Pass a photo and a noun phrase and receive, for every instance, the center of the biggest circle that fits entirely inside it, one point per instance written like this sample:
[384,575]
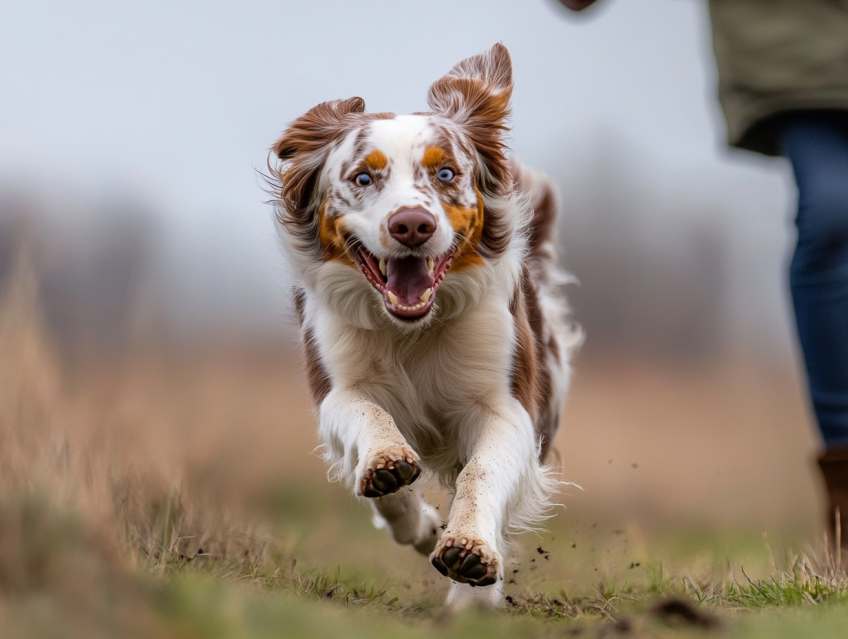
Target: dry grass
[175,496]
[91,493]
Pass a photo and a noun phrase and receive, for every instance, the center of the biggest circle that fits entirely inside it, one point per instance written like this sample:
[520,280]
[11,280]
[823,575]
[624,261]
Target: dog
[434,335]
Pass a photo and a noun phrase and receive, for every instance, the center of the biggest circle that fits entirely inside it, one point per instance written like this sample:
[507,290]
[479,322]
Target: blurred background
[135,237]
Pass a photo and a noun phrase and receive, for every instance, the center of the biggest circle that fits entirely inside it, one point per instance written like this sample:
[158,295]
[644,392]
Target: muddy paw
[388,472]
[468,561]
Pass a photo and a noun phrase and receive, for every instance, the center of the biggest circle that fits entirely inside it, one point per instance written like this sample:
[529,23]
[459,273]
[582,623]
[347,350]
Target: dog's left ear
[475,94]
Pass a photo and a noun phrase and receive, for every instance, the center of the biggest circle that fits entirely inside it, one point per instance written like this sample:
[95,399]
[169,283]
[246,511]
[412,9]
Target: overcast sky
[181,98]
[177,101]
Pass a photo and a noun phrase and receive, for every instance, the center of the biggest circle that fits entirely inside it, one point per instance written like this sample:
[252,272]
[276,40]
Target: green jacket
[776,56]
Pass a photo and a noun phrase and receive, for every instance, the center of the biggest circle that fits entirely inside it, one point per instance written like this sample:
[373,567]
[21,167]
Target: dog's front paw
[466,560]
[388,471]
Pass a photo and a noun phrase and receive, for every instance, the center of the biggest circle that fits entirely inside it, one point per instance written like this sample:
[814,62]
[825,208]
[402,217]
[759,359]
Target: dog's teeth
[392,298]
[383,267]
[430,266]
[426,295]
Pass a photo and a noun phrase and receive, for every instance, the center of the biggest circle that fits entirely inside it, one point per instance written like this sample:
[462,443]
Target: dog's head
[400,200]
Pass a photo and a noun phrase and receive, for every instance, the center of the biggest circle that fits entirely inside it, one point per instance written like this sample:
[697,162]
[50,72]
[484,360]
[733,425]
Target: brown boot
[834,467]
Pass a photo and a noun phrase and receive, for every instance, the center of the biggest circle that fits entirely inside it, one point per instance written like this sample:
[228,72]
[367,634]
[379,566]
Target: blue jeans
[817,145]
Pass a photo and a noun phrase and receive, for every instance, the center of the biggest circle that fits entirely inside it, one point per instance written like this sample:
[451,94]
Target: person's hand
[576,5]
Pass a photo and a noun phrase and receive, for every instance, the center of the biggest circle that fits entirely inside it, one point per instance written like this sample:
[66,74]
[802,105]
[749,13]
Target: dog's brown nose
[412,227]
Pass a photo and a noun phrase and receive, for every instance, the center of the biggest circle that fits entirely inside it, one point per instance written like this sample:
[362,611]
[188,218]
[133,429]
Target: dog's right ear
[305,146]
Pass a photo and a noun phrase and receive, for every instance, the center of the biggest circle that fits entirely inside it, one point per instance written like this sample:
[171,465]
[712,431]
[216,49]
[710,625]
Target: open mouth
[408,284]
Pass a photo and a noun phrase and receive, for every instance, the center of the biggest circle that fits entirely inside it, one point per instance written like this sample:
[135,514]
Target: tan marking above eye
[376,160]
[433,157]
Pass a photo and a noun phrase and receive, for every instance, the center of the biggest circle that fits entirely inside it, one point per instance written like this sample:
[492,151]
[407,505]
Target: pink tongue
[408,279]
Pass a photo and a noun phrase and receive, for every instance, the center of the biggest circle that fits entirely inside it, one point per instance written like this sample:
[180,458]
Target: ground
[174,493]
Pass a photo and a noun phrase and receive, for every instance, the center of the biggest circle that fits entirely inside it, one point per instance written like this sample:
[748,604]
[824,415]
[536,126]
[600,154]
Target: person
[783,88]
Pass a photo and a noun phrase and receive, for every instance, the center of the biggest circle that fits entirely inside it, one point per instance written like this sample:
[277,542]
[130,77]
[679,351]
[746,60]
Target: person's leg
[817,146]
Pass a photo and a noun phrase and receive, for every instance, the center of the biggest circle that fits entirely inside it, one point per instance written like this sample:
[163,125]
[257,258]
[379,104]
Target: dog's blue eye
[446,175]
[363,179]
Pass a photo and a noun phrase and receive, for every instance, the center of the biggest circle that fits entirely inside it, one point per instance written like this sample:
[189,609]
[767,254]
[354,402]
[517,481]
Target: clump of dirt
[682,612]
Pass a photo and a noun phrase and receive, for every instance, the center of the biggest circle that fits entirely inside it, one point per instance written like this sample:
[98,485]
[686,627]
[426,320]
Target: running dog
[434,335]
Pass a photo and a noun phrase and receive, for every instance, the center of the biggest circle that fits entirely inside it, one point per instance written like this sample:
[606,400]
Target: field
[174,493]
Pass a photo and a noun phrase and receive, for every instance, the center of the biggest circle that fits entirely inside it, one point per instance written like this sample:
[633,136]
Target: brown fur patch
[531,376]
[299,304]
[497,233]
[544,219]
[316,375]
[525,365]
[376,160]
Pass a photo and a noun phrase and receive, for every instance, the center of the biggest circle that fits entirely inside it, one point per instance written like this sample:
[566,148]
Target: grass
[133,505]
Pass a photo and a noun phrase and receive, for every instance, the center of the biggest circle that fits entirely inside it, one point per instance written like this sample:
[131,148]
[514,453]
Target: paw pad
[465,564]
[389,476]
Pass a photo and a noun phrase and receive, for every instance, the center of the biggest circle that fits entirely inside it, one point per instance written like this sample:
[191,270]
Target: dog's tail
[542,196]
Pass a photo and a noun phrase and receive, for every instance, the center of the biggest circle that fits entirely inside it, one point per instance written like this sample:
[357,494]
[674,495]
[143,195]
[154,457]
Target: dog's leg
[464,595]
[409,519]
[364,445]
[502,486]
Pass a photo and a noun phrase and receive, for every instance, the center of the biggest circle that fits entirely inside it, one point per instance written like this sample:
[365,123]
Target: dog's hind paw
[468,561]
[388,471]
